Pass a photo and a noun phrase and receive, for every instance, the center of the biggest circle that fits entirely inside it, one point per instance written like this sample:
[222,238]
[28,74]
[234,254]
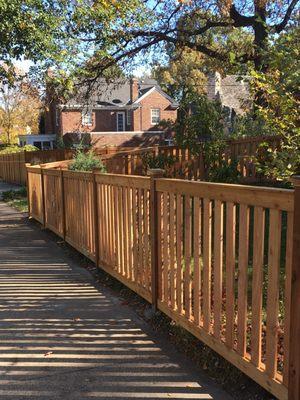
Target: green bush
[224,172]
[86,162]
[157,161]
[17,149]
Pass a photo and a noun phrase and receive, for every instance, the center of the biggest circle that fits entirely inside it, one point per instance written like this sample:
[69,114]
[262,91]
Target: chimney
[134,89]
[214,86]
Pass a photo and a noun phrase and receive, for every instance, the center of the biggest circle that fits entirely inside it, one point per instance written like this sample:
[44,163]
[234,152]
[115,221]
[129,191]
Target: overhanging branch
[284,22]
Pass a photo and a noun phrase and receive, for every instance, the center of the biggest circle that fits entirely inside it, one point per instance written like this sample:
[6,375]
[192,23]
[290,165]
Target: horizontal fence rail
[216,258]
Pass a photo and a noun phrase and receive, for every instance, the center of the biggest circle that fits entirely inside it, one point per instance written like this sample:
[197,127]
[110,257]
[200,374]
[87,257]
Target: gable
[156,93]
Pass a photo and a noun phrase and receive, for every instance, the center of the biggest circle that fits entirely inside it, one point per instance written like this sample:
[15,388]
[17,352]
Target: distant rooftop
[231,90]
[116,94]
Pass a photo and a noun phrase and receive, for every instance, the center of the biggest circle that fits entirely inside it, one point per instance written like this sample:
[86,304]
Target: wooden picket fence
[185,165]
[190,166]
[13,166]
[248,146]
[130,161]
[215,258]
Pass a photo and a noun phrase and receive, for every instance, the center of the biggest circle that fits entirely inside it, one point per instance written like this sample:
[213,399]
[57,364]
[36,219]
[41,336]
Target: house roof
[115,94]
[232,91]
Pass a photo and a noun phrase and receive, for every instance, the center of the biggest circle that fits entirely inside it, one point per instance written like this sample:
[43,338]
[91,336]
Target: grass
[16,199]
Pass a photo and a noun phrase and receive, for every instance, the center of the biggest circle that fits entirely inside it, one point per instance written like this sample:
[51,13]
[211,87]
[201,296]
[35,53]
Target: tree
[201,130]
[33,30]
[87,38]
[280,89]
[184,73]
[186,70]
[19,110]
[190,24]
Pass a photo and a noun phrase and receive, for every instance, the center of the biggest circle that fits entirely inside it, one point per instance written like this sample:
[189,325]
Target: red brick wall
[103,121]
[126,139]
[136,120]
[142,117]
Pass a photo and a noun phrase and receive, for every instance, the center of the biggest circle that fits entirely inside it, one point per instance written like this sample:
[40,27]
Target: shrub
[18,149]
[157,161]
[86,162]
[225,173]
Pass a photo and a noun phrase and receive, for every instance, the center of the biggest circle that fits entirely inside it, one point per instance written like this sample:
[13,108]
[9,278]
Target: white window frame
[87,118]
[152,116]
[123,114]
[128,117]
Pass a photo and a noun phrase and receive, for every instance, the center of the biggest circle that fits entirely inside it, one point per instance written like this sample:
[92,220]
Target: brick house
[120,113]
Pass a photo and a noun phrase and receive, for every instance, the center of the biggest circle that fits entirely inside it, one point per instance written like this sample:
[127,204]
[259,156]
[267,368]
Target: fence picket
[172,249]
[273,292]
[179,298]
[242,279]
[218,266]
[207,264]
[287,295]
[197,267]
[230,273]
[258,263]
[165,276]
[187,258]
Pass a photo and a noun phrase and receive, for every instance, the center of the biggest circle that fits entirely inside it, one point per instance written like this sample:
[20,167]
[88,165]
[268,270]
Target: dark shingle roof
[234,93]
[110,94]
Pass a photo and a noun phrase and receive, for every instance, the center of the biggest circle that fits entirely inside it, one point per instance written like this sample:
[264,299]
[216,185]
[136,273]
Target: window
[87,118]
[38,145]
[169,142]
[46,145]
[120,121]
[128,115]
[155,116]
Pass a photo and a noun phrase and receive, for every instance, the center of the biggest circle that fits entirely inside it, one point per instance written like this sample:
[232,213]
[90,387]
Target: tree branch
[284,22]
[240,20]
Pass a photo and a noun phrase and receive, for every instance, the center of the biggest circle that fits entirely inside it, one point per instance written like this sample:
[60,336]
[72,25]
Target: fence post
[294,348]
[43,197]
[28,188]
[154,174]
[96,220]
[63,203]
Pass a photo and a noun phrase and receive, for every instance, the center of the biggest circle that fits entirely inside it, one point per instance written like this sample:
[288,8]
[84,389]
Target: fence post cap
[155,172]
[295,179]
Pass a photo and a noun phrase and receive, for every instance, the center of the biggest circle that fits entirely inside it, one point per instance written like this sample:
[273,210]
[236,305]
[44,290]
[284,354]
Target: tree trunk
[260,47]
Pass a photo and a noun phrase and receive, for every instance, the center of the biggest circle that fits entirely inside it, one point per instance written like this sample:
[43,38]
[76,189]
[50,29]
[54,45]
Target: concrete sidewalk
[63,337]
